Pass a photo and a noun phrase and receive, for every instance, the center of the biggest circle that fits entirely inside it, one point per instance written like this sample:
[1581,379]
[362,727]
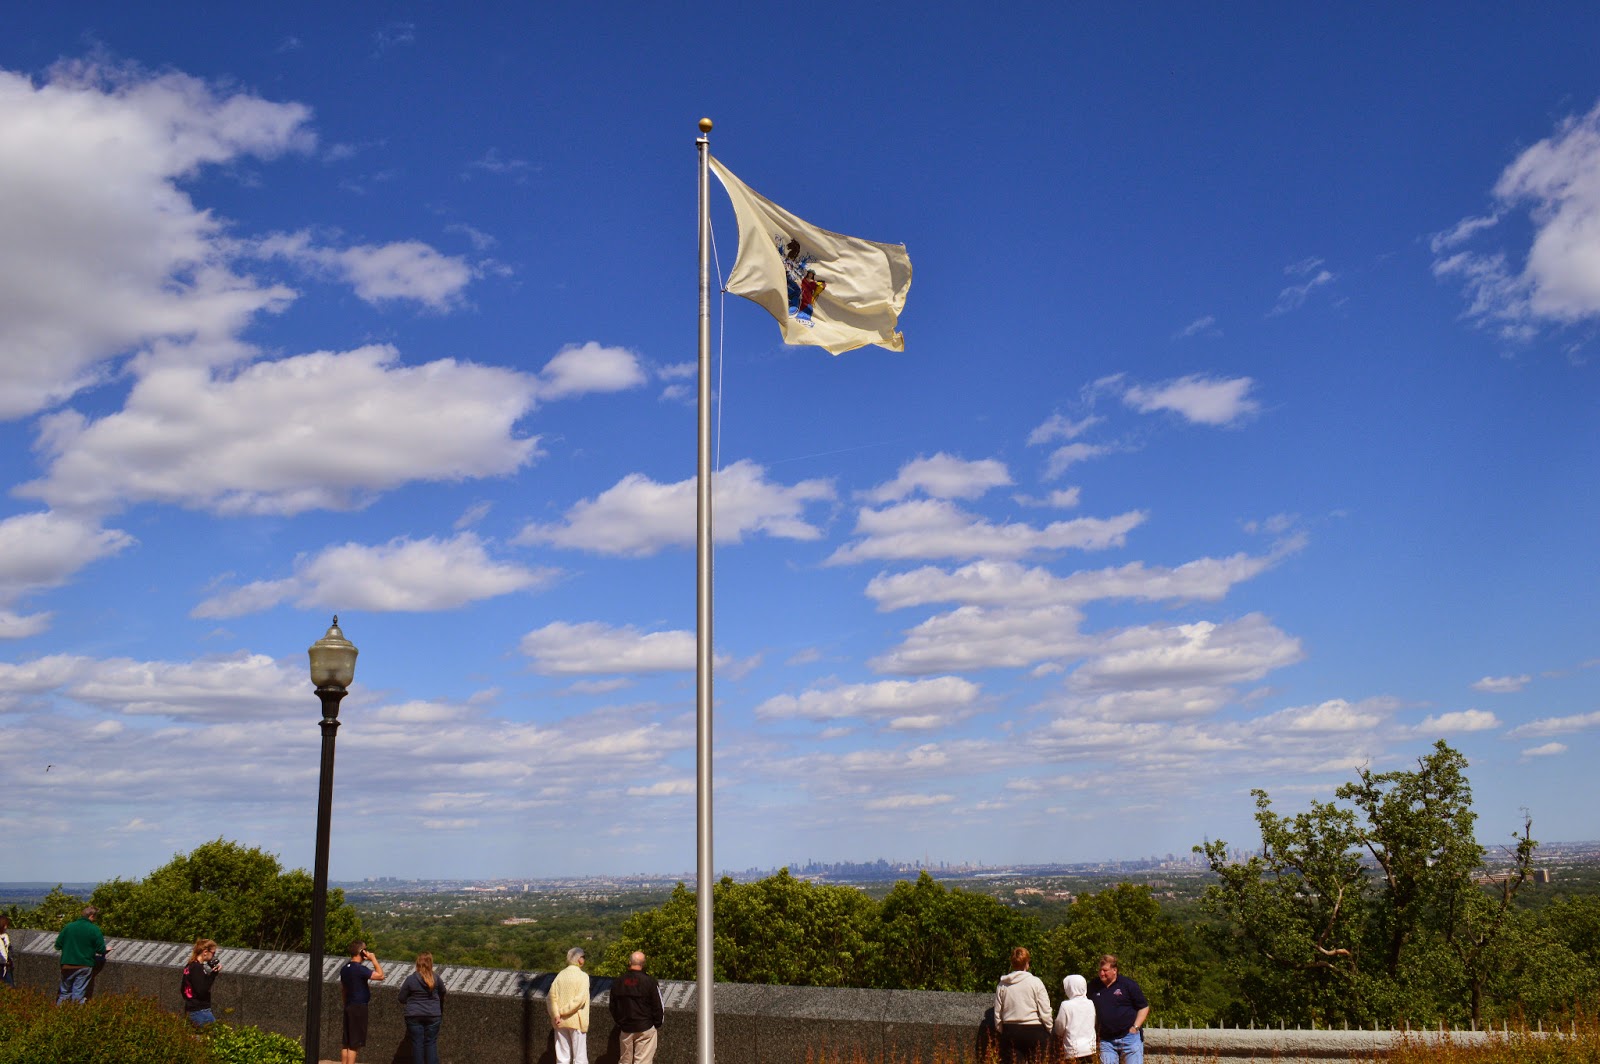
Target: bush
[251,1045]
[109,1029]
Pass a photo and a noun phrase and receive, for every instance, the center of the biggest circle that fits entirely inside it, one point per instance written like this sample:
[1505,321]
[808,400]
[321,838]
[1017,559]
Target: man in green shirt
[81,944]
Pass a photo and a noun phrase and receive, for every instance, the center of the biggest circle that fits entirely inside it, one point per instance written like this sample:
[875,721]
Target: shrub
[109,1029]
[251,1045]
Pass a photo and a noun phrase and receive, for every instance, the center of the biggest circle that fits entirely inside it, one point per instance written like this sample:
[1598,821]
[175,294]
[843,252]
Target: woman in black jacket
[422,997]
[198,975]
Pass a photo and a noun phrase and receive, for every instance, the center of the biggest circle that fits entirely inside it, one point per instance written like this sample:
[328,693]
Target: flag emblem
[827,290]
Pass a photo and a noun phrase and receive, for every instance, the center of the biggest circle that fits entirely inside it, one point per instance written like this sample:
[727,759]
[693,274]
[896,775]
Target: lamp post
[333,667]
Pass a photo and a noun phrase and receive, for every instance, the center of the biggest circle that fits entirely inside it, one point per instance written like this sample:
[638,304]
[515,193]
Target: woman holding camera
[198,975]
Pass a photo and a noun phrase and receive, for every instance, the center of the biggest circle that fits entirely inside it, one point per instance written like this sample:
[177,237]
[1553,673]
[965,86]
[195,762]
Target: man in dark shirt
[354,978]
[1120,1009]
[637,1010]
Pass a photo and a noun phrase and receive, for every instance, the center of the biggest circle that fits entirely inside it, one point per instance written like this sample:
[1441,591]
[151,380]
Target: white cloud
[1332,717]
[1502,685]
[1060,499]
[1557,725]
[104,252]
[1294,296]
[975,638]
[45,549]
[999,583]
[1547,750]
[405,269]
[935,528]
[1204,652]
[1199,399]
[561,648]
[580,370]
[943,476]
[907,801]
[673,788]
[1462,720]
[240,686]
[1557,181]
[638,516]
[400,575]
[1064,458]
[904,705]
[1057,427]
[1206,326]
[321,430]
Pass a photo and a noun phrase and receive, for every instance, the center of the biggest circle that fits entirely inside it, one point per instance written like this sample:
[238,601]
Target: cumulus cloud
[1557,725]
[1199,399]
[1463,720]
[943,476]
[104,252]
[44,550]
[562,648]
[1547,750]
[903,705]
[1333,717]
[1502,685]
[1205,652]
[401,575]
[1001,583]
[238,686]
[325,430]
[936,528]
[405,269]
[976,638]
[583,369]
[638,517]
[1557,183]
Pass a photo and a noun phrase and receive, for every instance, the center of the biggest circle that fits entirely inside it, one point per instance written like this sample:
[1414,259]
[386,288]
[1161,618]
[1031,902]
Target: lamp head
[333,659]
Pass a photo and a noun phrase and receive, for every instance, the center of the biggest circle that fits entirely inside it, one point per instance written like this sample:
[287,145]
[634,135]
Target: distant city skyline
[1246,431]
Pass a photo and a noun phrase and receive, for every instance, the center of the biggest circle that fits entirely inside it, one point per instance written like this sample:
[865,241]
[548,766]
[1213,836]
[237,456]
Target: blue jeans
[424,1032]
[1129,1049]
[201,1017]
[74,981]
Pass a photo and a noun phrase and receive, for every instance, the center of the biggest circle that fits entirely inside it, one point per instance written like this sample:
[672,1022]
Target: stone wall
[498,1017]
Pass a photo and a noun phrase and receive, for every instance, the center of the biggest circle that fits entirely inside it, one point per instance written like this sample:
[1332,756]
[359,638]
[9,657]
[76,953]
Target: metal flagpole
[706,1043]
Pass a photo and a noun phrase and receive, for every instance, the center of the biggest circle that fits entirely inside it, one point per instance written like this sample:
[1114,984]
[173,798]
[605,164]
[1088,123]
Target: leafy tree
[54,911]
[778,930]
[1150,947]
[235,894]
[1318,933]
[933,938]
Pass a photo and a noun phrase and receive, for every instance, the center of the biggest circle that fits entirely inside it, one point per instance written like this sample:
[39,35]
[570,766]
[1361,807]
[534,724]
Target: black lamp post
[333,667]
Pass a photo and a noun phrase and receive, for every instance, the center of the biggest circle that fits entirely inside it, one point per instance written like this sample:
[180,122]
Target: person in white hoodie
[1021,1012]
[1075,1020]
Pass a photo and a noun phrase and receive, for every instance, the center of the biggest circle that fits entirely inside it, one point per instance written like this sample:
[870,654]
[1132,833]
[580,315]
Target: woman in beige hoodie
[1021,1012]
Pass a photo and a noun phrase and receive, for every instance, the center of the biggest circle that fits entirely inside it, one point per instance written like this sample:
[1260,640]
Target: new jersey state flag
[836,292]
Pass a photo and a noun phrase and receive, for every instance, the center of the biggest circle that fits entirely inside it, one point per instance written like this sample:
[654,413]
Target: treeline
[922,936]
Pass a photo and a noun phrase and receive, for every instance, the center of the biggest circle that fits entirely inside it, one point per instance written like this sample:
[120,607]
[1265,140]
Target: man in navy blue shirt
[354,978]
[1120,1010]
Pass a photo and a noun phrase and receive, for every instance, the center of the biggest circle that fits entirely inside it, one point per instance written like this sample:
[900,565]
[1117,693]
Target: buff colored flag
[832,291]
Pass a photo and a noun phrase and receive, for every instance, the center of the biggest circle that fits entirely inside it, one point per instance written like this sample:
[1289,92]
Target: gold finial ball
[705,125]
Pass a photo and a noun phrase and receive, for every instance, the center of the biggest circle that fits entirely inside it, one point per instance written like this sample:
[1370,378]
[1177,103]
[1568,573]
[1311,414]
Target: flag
[836,292]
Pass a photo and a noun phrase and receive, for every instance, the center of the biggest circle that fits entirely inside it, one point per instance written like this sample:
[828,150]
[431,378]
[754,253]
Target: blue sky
[1245,432]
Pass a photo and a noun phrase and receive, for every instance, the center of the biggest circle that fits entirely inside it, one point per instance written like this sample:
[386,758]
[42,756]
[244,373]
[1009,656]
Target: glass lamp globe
[333,659]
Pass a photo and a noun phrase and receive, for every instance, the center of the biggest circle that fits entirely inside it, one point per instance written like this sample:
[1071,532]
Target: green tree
[54,911]
[1150,946]
[1316,933]
[933,938]
[778,930]
[223,890]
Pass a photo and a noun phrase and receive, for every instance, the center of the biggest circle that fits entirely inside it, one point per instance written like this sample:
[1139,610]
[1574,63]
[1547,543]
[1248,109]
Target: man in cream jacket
[568,1002]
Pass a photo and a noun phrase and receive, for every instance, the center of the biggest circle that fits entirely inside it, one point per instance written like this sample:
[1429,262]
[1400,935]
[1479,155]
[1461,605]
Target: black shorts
[355,1026]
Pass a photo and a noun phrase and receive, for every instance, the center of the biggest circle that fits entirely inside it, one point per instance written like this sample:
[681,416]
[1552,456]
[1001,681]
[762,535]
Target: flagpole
[704,870]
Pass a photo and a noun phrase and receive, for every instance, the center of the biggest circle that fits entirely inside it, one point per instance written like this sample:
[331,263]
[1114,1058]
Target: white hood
[1075,986]
[1013,978]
